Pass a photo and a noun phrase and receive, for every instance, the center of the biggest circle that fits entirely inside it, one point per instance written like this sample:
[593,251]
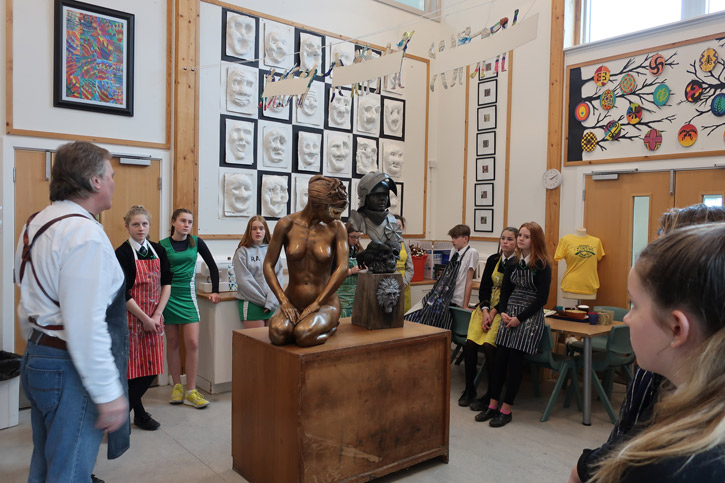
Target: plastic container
[419,268]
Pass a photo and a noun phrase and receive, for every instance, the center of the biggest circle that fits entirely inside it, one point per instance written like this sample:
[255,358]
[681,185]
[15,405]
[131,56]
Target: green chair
[599,342]
[618,354]
[564,365]
[459,330]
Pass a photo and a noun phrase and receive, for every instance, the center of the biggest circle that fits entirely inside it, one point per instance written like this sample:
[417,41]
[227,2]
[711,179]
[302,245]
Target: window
[421,7]
[603,19]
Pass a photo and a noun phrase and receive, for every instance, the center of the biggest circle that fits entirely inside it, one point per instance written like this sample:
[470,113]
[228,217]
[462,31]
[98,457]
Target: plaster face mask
[275,143]
[241,88]
[310,53]
[337,152]
[394,204]
[393,161]
[310,104]
[239,140]
[240,35]
[274,196]
[308,149]
[340,110]
[368,114]
[345,52]
[366,156]
[302,195]
[394,116]
[237,193]
[275,47]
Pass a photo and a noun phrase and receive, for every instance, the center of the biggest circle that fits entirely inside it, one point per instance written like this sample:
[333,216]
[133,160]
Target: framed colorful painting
[93,61]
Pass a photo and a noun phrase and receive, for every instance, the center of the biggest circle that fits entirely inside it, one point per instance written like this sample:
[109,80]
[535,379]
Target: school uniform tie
[143,250]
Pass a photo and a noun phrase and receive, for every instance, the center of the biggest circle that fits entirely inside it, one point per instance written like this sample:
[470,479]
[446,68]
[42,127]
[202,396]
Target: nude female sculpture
[315,241]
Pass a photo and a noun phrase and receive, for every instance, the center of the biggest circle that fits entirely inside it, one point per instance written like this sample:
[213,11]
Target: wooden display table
[362,405]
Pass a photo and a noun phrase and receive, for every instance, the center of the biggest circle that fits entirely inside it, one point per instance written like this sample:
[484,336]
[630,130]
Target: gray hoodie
[251,284]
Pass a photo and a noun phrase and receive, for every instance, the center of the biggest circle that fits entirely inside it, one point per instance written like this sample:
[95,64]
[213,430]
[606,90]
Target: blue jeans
[63,416]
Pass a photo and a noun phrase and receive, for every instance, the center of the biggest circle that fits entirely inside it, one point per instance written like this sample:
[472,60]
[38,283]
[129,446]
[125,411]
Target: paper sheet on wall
[478,50]
[292,86]
[368,70]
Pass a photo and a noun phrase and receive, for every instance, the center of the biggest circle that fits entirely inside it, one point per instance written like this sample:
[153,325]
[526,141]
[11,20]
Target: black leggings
[508,367]
[470,359]
[136,389]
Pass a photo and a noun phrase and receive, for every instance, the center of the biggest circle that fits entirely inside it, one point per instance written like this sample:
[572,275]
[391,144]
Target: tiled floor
[195,445]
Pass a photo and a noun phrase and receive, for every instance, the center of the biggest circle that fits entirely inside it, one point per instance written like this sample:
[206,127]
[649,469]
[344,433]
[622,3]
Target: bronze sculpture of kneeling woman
[315,241]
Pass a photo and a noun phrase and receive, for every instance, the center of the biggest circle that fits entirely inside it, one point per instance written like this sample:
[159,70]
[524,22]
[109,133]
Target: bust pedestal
[367,311]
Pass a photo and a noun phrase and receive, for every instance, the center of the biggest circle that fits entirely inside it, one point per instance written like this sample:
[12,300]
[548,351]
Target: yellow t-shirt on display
[581,254]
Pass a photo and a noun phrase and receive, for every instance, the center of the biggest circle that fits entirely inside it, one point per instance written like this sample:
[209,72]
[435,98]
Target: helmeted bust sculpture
[373,217]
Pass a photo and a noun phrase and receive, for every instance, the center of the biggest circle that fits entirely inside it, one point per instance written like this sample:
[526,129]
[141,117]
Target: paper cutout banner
[370,69]
[502,41]
[291,86]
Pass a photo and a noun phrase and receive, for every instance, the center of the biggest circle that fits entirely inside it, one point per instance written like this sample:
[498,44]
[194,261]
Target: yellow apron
[475,333]
[400,268]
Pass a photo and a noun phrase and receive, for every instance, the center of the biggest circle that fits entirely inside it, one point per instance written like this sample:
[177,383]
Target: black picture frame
[400,188]
[328,96]
[481,122]
[384,100]
[320,68]
[483,194]
[483,220]
[486,143]
[355,139]
[223,142]
[486,169]
[109,66]
[296,130]
[235,59]
[487,91]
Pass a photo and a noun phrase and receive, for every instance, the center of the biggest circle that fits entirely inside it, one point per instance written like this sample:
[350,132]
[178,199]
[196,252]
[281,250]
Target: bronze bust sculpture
[315,242]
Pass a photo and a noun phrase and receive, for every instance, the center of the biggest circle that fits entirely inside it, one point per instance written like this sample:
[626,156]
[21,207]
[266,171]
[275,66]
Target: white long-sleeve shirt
[77,267]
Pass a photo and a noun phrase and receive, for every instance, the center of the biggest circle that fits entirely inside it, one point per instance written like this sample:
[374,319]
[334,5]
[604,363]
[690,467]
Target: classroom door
[134,184]
[700,186]
[624,213]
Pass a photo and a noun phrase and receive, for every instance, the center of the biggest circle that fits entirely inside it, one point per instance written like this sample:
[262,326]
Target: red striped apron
[145,349]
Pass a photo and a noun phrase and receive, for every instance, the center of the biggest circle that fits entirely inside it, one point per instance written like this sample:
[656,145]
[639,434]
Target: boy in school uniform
[468,256]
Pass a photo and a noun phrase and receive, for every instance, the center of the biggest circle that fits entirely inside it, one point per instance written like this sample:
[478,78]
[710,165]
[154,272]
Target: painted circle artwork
[708,59]
[653,140]
[661,95]
[601,75]
[582,112]
[657,64]
[717,106]
[607,100]
[693,91]
[687,135]
[613,131]
[634,113]
[627,84]
[589,142]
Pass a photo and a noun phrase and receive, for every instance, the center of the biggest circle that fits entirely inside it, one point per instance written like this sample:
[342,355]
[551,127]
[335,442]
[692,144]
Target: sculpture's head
[327,196]
[388,294]
[374,191]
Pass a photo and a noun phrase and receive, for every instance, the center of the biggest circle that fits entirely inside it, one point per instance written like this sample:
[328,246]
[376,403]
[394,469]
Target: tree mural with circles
[652,104]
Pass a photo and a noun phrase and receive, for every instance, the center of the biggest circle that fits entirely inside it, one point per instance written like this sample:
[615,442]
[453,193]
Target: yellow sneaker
[194,398]
[177,394]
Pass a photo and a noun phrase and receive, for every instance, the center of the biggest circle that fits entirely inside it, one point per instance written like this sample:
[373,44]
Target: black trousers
[137,387]
[509,363]
[470,359]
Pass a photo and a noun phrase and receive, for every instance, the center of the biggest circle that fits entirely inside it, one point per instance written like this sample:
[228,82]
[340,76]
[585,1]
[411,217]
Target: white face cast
[302,195]
[394,204]
[308,149]
[366,156]
[238,191]
[276,47]
[340,111]
[274,196]
[240,139]
[394,117]
[393,160]
[310,104]
[338,151]
[240,35]
[275,145]
[345,51]
[368,113]
[241,88]
[310,52]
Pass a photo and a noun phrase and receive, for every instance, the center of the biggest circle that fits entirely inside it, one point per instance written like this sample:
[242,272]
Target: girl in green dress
[346,292]
[182,308]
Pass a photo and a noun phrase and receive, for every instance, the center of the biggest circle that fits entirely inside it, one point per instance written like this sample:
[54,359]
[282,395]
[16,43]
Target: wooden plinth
[364,404]
[366,312]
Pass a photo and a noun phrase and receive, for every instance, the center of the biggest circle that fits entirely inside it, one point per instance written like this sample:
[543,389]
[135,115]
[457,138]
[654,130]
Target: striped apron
[526,336]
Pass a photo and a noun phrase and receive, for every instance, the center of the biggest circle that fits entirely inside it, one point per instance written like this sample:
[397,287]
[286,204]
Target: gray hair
[74,166]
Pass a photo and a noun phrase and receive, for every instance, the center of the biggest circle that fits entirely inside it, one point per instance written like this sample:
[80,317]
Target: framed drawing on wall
[487,92]
[485,143]
[485,169]
[93,58]
[483,194]
[486,118]
[483,220]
